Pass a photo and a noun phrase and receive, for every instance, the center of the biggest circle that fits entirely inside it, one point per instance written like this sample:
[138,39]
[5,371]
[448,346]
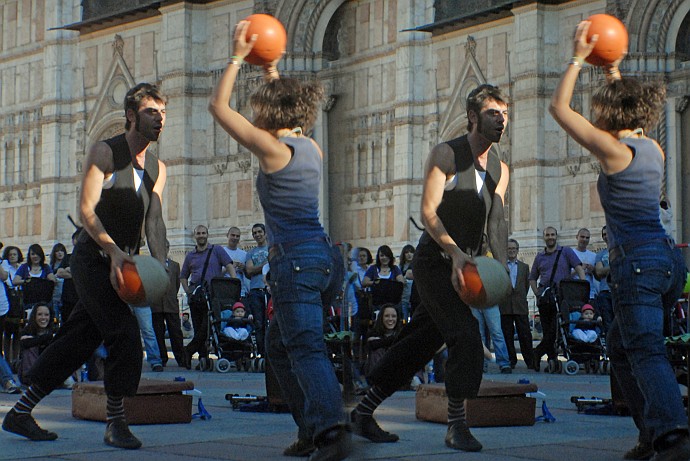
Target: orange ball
[487,283]
[613,39]
[271,39]
[132,290]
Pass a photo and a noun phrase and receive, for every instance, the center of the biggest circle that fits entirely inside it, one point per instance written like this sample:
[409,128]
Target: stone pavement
[235,435]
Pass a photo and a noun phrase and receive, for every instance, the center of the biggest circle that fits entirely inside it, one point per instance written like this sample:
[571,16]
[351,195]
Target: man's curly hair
[286,103]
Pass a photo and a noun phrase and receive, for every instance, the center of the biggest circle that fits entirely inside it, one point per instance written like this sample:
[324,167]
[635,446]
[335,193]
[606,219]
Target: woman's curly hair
[286,103]
[627,103]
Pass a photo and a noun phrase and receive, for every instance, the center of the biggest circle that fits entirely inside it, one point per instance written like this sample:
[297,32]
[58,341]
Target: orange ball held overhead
[612,42]
[271,39]
[487,283]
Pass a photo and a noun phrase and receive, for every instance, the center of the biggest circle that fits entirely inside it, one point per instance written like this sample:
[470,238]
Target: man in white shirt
[238,256]
[588,259]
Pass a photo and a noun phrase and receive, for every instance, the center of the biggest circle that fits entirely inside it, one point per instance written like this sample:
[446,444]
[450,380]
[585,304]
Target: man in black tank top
[464,186]
[120,201]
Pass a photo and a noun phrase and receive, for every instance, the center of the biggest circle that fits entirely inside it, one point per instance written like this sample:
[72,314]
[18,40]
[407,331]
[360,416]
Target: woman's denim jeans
[646,281]
[304,278]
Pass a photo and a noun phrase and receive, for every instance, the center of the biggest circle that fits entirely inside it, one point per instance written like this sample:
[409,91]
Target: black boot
[674,446]
[333,444]
[367,427]
[117,434]
[460,437]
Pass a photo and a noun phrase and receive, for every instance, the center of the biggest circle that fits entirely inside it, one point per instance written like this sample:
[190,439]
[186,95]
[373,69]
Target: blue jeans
[646,282]
[5,371]
[491,318]
[145,319]
[304,278]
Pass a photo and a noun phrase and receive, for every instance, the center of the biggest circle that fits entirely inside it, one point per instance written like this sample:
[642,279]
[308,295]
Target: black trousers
[198,343]
[441,317]
[172,320]
[99,316]
[520,323]
[549,328]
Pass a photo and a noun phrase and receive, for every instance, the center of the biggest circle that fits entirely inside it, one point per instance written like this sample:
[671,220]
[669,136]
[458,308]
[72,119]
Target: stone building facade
[396,74]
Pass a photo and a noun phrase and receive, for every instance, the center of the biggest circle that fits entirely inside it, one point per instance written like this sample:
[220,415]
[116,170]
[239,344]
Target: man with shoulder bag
[200,265]
[550,267]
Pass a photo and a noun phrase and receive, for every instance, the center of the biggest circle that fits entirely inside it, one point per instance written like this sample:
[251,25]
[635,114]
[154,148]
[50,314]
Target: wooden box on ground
[156,402]
[497,404]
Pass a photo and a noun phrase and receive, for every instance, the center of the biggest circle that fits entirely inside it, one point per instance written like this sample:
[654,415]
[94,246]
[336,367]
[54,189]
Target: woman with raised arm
[647,271]
[306,268]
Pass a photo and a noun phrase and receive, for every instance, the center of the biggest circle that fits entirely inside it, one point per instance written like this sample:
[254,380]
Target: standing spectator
[120,199]
[153,354]
[550,267]
[514,310]
[200,265]
[69,297]
[647,271]
[239,256]
[406,257]
[383,269]
[166,313]
[306,269]
[455,214]
[604,302]
[35,267]
[12,258]
[57,259]
[588,259]
[257,298]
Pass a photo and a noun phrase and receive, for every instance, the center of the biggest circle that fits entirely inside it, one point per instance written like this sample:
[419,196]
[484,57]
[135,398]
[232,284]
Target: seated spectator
[386,327]
[187,330]
[34,339]
[236,325]
[585,328]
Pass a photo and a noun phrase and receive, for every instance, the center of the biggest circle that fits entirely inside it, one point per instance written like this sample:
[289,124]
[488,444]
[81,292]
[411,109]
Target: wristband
[576,61]
[236,60]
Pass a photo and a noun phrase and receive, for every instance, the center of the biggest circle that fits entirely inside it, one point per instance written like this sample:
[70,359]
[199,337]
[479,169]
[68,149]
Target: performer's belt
[621,250]
[281,248]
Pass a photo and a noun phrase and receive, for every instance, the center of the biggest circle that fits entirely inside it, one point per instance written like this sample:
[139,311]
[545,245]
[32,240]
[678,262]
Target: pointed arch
[454,118]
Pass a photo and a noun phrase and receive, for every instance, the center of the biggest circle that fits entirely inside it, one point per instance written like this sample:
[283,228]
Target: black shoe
[117,434]
[300,447]
[506,370]
[673,447]
[157,367]
[367,427]
[640,451]
[25,425]
[332,444]
[460,438]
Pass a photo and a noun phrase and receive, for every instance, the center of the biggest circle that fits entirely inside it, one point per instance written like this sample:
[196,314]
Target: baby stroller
[224,293]
[571,296]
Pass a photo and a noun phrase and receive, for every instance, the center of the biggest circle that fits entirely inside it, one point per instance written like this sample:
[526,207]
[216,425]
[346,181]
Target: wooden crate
[497,404]
[156,402]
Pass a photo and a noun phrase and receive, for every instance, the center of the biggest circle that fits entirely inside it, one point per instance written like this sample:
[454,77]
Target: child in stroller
[240,349]
[572,299]
[235,323]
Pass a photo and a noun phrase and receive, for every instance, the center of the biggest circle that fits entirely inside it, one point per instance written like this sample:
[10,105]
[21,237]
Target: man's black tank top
[122,209]
[462,210]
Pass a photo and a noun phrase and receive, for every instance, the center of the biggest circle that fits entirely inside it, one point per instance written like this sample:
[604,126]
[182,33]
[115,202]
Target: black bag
[198,296]
[15,299]
[547,298]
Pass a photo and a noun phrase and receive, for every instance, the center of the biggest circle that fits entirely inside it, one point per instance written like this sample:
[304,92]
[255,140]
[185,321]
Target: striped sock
[115,408]
[456,411]
[375,396]
[29,399]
